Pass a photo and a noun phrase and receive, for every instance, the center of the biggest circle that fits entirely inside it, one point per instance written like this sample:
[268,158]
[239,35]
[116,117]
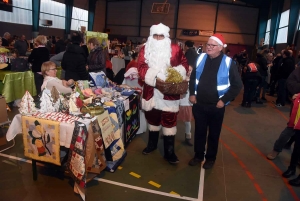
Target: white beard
[158,54]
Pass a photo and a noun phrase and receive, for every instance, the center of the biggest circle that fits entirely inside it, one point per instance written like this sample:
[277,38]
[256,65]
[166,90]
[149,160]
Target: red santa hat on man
[219,39]
[160,29]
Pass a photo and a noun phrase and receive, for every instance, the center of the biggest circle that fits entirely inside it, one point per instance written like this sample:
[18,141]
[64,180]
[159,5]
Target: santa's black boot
[170,156]
[152,142]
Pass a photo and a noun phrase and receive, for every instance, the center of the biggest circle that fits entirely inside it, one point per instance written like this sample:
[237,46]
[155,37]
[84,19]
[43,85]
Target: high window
[54,11]
[267,35]
[22,13]
[79,18]
[283,27]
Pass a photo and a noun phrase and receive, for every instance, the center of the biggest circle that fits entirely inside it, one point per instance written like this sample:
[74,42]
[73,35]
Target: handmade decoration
[173,76]
[46,100]
[41,139]
[3,57]
[27,106]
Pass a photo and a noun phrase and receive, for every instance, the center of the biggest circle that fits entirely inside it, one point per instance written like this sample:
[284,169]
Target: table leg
[34,171]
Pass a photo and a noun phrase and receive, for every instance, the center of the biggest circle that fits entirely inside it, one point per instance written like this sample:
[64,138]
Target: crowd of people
[214,80]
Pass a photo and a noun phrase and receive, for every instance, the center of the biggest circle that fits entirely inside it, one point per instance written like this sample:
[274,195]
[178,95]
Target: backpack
[252,68]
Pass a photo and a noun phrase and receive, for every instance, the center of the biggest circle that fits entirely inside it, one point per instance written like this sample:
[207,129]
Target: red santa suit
[161,110]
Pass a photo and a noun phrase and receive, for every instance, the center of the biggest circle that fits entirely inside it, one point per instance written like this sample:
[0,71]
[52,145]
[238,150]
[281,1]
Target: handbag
[169,88]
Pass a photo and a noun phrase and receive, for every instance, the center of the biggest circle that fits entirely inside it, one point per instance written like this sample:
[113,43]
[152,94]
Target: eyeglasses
[156,36]
[53,69]
[211,45]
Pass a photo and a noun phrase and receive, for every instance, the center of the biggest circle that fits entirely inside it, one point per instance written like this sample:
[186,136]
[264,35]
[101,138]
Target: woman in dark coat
[37,57]
[96,60]
[74,61]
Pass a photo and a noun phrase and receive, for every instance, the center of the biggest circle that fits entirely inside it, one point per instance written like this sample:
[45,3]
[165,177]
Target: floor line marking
[112,182]
[135,175]
[154,184]
[174,193]
[293,193]
[144,189]
[256,185]
[278,111]
[201,183]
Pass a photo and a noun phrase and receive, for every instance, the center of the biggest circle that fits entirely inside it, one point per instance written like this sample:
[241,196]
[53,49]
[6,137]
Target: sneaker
[208,164]
[195,161]
[278,105]
[272,155]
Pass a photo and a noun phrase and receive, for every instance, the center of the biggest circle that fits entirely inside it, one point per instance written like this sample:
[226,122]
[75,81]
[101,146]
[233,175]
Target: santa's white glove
[162,76]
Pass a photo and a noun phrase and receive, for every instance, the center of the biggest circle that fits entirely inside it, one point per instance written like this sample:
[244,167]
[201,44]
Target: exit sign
[6,5]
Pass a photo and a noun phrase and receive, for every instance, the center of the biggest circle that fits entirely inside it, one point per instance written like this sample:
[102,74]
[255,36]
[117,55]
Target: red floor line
[264,157]
[278,111]
[256,185]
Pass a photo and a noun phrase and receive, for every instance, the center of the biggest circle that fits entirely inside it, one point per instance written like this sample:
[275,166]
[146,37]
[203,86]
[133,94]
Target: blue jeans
[281,94]
[249,90]
[284,137]
[263,86]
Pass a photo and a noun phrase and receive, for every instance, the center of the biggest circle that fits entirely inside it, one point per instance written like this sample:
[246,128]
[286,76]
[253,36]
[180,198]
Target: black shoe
[295,182]
[259,102]
[263,98]
[148,150]
[243,104]
[195,161]
[188,142]
[289,173]
[208,164]
[270,94]
[248,105]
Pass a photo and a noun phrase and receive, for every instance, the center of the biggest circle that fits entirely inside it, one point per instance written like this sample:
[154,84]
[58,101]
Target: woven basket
[172,88]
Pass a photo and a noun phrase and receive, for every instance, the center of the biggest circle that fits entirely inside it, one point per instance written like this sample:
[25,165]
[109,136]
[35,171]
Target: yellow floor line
[120,168]
[154,184]
[135,174]
[174,193]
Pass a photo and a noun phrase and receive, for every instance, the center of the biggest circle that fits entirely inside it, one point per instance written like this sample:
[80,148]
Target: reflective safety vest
[223,82]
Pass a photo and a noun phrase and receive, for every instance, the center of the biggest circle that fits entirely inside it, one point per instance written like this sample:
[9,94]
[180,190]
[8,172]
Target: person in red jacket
[155,57]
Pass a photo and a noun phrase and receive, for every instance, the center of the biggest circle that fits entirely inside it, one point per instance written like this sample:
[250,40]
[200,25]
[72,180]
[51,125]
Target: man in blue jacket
[213,84]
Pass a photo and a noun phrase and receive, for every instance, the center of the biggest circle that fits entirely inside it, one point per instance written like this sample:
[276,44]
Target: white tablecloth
[66,130]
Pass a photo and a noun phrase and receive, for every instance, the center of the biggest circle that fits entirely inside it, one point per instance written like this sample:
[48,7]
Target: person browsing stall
[212,85]
[96,58]
[49,71]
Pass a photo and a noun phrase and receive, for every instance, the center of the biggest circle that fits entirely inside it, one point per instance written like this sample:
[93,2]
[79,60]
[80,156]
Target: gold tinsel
[173,76]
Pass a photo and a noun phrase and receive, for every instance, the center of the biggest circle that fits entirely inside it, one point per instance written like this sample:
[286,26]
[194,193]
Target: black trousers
[296,151]
[38,80]
[249,90]
[207,117]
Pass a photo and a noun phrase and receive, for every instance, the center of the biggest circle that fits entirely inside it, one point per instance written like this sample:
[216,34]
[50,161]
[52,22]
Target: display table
[42,139]
[13,85]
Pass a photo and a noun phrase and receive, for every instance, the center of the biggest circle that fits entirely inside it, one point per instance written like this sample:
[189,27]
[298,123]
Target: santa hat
[160,29]
[219,39]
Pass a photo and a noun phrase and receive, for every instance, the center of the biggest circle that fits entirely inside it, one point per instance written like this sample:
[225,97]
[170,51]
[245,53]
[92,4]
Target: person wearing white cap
[155,57]
[212,85]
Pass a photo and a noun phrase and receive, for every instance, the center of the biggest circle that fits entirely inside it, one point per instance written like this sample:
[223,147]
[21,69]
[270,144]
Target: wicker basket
[172,88]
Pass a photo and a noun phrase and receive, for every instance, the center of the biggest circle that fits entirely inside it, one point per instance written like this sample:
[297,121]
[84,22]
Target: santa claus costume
[160,110]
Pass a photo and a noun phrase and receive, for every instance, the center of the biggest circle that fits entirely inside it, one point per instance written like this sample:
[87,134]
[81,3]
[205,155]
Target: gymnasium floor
[241,171]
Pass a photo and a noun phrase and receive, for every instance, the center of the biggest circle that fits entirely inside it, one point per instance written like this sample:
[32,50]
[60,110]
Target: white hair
[158,53]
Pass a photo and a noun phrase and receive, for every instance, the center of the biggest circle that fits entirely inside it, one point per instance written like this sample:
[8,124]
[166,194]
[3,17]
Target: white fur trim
[160,29]
[158,102]
[169,131]
[154,128]
[150,76]
[217,40]
[181,70]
